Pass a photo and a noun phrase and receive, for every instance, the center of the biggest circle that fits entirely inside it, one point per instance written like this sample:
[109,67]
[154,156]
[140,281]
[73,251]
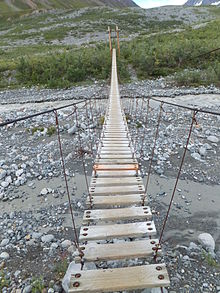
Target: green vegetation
[61,268]
[67,4]
[4,282]
[210,260]
[50,130]
[165,54]
[37,285]
[156,52]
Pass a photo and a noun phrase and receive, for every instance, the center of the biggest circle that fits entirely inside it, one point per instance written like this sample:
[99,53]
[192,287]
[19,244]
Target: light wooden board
[119,200]
[115,144]
[120,279]
[131,213]
[110,190]
[101,167]
[115,161]
[121,250]
[117,173]
[118,156]
[115,152]
[116,181]
[104,232]
[120,147]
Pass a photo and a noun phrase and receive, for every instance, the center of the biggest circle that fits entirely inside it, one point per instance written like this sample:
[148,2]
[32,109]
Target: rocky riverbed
[36,237]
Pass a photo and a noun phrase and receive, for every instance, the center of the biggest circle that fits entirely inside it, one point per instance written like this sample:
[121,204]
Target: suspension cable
[76,241]
[153,150]
[177,180]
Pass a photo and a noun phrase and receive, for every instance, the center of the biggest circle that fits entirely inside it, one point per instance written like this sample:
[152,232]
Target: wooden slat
[120,279]
[105,232]
[118,156]
[112,200]
[115,181]
[131,213]
[115,161]
[110,190]
[121,250]
[115,167]
[117,173]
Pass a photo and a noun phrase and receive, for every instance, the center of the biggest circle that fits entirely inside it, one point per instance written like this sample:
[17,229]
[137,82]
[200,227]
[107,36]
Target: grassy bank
[151,55]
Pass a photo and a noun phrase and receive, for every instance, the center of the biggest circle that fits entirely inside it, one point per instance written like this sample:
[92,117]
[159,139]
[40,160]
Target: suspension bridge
[117,210]
[118,224]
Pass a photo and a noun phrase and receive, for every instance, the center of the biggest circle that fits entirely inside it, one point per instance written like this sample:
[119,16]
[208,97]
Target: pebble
[4,255]
[47,238]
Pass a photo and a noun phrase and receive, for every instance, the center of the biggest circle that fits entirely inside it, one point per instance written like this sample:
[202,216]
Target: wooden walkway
[118,227]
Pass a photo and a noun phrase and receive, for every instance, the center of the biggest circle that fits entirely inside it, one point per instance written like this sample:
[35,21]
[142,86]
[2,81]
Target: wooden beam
[119,279]
[120,250]
[105,232]
[131,213]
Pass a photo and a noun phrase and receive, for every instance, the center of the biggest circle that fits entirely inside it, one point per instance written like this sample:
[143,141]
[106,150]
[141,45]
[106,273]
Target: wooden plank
[119,279]
[115,143]
[131,213]
[115,161]
[115,181]
[101,167]
[118,156]
[117,173]
[116,200]
[116,152]
[110,190]
[104,232]
[115,148]
[119,250]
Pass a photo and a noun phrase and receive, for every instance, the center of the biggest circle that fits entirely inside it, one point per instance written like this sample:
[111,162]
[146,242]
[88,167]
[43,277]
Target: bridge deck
[117,193]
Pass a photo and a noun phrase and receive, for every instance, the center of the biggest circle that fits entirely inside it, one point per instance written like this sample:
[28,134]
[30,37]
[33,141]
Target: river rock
[202,151]
[196,156]
[2,173]
[72,130]
[207,241]
[47,238]
[4,255]
[66,244]
[213,139]
[4,242]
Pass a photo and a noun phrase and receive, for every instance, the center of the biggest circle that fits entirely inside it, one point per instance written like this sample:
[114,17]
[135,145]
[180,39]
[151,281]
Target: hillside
[202,2]
[60,48]
[18,5]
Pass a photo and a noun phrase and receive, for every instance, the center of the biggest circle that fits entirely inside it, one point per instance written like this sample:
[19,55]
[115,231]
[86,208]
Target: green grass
[210,260]
[60,66]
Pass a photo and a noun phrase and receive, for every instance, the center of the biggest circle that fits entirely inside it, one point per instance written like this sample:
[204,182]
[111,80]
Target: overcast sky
[156,3]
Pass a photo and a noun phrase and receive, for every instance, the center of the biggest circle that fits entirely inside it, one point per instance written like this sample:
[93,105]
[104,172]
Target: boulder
[207,242]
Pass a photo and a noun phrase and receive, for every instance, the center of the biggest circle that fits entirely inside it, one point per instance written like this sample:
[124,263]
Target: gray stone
[202,151]
[196,156]
[19,172]
[72,130]
[71,269]
[207,241]
[2,173]
[4,255]
[4,184]
[4,242]
[66,244]
[47,238]
[44,191]
[36,235]
[17,273]
[213,139]
[27,289]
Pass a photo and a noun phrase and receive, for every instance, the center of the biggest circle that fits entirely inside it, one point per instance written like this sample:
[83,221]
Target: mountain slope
[202,2]
[17,5]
